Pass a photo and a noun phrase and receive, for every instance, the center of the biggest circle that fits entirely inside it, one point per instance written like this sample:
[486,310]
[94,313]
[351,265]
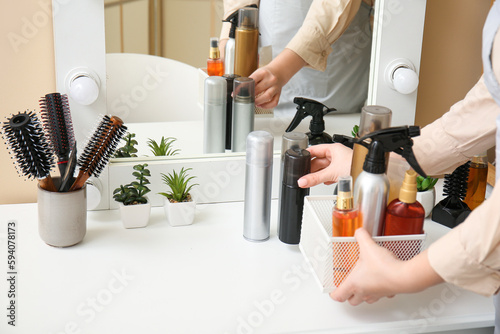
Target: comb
[32,154]
[99,149]
[58,126]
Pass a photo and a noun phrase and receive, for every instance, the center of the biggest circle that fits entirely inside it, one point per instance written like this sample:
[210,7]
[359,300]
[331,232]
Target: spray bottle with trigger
[308,107]
[229,51]
[372,185]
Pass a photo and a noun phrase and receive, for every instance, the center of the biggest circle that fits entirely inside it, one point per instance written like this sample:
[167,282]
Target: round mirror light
[405,80]
[84,89]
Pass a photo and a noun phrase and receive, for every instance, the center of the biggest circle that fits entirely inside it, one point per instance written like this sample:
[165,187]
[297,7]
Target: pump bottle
[405,215]
[215,66]
[344,223]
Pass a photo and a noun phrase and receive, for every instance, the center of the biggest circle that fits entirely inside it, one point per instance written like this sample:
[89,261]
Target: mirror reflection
[163,96]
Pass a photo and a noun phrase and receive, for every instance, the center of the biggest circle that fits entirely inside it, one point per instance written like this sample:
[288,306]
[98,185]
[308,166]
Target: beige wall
[450,65]
[451,55]
[27,73]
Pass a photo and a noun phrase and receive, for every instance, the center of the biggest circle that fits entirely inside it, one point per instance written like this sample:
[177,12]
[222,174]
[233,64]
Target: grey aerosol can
[214,120]
[243,112]
[258,182]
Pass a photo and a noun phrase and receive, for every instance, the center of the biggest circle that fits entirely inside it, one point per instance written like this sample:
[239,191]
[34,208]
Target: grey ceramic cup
[62,217]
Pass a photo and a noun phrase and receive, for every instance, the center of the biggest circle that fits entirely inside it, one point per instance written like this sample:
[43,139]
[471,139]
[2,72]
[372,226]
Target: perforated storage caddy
[332,258]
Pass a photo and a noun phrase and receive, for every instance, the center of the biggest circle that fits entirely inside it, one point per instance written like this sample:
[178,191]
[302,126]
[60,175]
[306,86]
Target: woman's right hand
[329,162]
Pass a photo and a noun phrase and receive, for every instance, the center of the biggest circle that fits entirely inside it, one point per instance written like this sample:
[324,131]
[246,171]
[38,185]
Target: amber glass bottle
[215,66]
[476,186]
[345,219]
[405,215]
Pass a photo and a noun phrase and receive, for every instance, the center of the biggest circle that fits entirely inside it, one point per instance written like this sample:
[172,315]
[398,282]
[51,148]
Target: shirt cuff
[469,255]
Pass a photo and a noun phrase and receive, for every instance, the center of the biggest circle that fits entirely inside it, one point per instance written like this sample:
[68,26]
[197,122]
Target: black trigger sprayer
[371,188]
[308,107]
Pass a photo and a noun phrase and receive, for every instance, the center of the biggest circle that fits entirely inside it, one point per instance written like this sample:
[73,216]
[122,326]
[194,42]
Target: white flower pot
[427,199]
[179,214]
[134,216]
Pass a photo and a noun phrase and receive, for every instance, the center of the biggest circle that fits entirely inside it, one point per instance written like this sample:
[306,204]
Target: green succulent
[355,131]
[425,183]
[164,148]
[128,150]
[134,192]
[179,185]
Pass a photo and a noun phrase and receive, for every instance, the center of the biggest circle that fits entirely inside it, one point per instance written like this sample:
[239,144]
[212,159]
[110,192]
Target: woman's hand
[270,79]
[378,273]
[330,161]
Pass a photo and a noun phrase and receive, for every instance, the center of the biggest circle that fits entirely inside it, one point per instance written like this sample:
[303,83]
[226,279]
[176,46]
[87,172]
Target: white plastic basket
[332,258]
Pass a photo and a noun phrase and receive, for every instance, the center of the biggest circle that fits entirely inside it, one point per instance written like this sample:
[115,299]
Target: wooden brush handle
[80,181]
[47,184]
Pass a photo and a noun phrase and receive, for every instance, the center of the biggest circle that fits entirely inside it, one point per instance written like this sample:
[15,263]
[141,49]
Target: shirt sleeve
[469,255]
[325,22]
[230,6]
[468,128]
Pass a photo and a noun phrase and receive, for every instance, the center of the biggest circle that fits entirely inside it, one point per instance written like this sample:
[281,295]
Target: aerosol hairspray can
[258,181]
[290,140]
[243,112]
[214,136]
[297,164]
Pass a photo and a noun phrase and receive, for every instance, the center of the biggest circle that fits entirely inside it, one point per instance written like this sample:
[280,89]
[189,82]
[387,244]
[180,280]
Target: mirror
[75,48]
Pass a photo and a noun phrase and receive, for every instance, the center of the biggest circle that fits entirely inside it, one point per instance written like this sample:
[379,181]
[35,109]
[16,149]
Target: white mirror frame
[79,42]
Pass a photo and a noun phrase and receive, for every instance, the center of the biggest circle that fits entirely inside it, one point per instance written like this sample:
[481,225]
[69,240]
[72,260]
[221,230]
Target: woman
[467,256]
[320,50]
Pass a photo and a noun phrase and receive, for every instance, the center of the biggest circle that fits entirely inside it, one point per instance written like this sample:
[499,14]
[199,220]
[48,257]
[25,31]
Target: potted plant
[128,150]
[135,207]
[164,148]
[178,204]
[426,193]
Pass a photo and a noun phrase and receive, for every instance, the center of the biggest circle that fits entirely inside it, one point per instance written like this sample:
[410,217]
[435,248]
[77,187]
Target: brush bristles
[57,123]
[455,184]
[101,145]
[25,138]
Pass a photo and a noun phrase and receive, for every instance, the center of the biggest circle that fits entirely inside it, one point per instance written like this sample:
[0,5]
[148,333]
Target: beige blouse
[469,255]
[324,24]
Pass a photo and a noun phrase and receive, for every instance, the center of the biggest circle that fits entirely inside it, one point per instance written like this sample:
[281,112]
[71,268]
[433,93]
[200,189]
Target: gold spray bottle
[246,42]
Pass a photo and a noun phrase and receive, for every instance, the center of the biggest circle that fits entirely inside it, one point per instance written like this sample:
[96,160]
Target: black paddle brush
[32,153]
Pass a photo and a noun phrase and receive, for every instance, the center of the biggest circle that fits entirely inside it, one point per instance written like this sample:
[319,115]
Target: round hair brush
[25,137]
[452,210]
[58,126]
[99,149]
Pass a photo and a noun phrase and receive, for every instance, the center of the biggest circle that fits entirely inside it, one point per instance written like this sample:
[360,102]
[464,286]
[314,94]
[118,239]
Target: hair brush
[452,210]
[56,120]
[25,137]
[99,149]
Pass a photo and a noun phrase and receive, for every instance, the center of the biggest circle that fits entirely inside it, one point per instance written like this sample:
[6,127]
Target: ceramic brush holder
[62,216]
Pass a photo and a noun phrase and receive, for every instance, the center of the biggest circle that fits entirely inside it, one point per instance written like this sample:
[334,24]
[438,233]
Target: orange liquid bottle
[405,215]
[215,66]
[476,186]
[345,221]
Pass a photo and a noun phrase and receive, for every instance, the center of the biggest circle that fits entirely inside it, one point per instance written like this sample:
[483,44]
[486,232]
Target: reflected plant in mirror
[164,147]
[128,150]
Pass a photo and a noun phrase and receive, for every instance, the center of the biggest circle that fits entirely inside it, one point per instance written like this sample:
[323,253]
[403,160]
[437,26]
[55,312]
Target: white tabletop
[203,278]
